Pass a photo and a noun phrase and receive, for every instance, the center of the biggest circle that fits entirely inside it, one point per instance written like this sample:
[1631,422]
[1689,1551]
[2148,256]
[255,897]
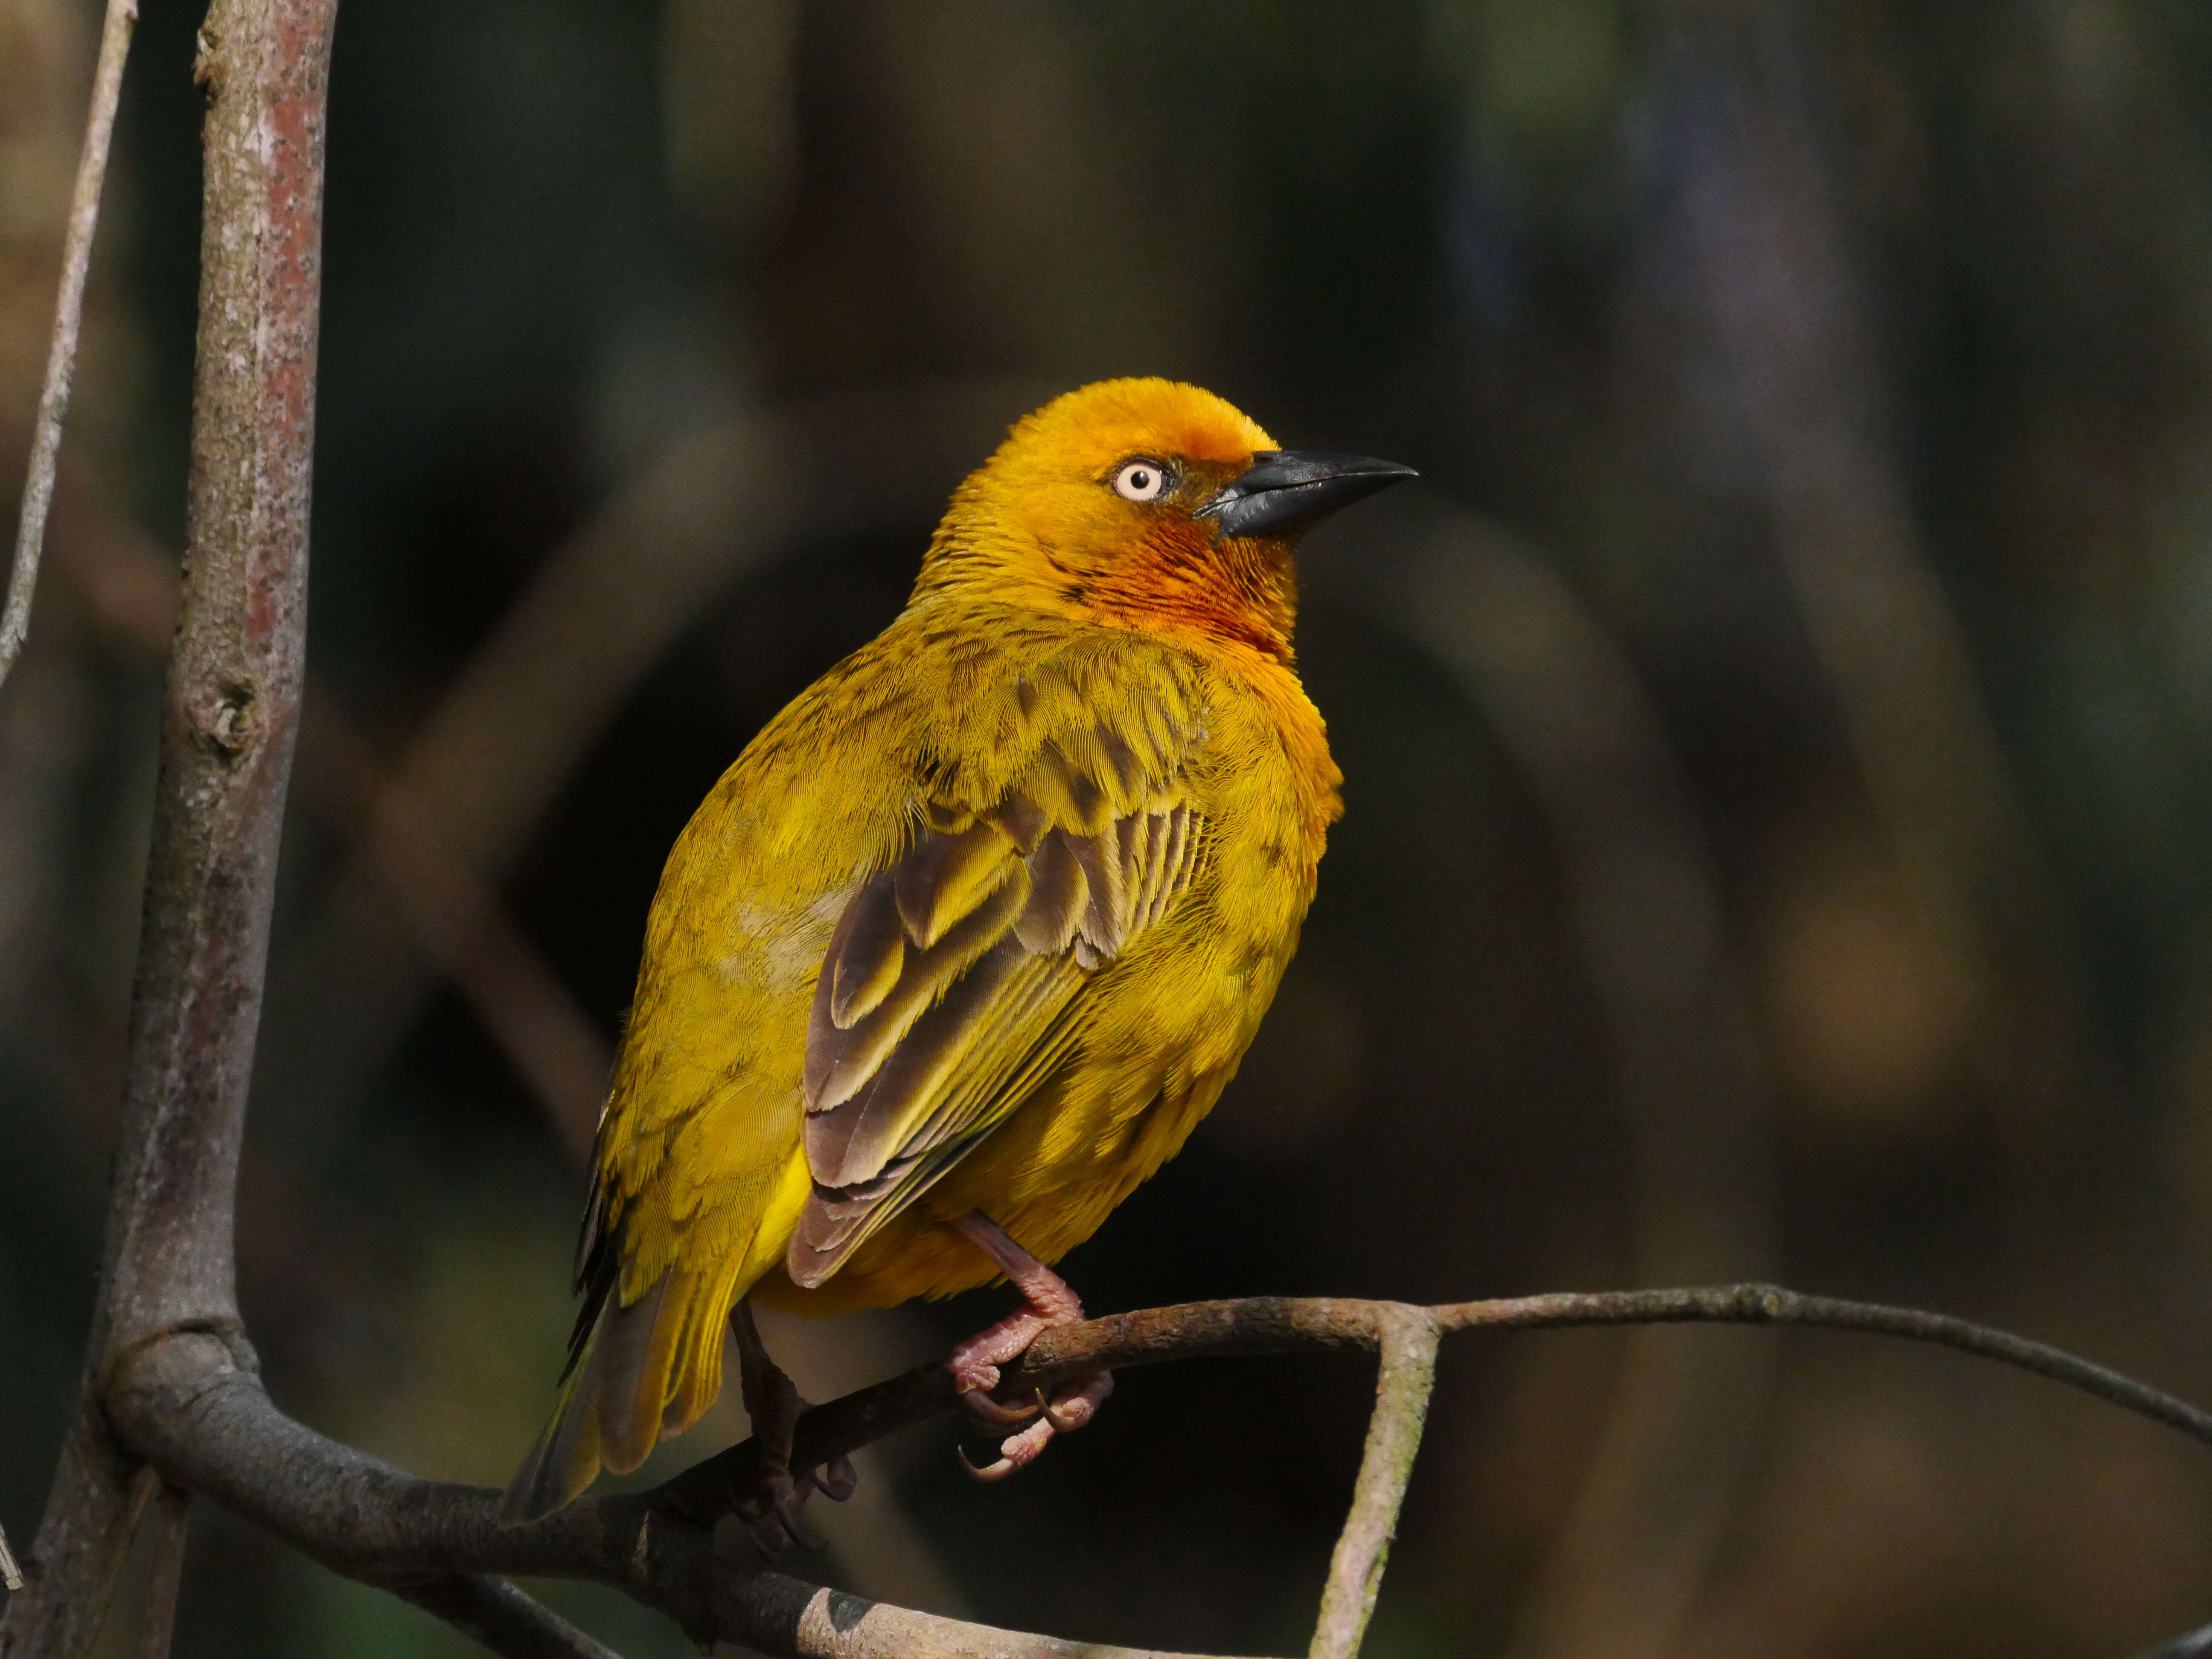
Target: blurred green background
[1779,831]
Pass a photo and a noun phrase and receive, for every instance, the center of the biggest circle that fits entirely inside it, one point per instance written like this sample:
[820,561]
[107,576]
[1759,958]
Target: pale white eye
[1141,481]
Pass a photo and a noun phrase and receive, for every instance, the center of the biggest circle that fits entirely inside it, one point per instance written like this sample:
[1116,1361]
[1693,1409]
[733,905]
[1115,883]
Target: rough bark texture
[1403,1380]
[229,716]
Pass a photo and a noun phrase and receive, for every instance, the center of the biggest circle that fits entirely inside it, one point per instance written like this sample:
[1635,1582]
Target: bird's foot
[770,1515]
[1074,1403]
[975,1363]
[770,1511]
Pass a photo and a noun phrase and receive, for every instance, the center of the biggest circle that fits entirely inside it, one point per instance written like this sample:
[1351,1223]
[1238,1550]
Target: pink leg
[975,1363]
[772,1401]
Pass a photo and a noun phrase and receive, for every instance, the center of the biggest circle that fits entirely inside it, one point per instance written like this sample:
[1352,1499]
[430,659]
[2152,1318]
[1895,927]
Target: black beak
[1284,490]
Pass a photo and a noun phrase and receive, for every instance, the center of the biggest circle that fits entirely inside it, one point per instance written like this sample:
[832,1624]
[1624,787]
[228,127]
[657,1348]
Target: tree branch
[1771,1305]
[1402,1382]
[230,712]
[1271,1325]
[231,716]
[69,316]
[191,1405]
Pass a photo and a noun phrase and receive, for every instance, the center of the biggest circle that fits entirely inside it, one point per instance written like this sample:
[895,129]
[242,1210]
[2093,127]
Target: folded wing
[955,979]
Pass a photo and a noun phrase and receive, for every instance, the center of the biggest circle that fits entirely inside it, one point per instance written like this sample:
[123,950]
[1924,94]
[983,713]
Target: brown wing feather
[955,978]
[866,955]
[840,1060]
[1058,892]
[944,877]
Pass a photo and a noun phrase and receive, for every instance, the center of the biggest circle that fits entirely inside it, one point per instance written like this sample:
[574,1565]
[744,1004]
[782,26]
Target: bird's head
[1148,504]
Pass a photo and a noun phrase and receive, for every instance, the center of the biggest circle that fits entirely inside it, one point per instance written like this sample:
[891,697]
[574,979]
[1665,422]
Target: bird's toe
[836,1479]
[1016,1451]
[994,1413]
[1076,1401]
[771,1518]
[975,1363]
[972,1376]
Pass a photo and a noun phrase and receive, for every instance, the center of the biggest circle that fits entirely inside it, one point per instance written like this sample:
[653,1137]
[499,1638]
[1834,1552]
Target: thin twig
[11,1575]
[172,1514]
[1771,1305]
[69,316]
[1265,1325]
[1402,1384]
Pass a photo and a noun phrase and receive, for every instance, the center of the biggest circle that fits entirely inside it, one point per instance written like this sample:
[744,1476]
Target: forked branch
[191,1406]
[1404,1376]
[1269,1325]
[230,711]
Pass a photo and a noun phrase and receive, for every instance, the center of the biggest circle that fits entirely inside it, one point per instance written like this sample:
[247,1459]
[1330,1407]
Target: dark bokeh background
[1779,838]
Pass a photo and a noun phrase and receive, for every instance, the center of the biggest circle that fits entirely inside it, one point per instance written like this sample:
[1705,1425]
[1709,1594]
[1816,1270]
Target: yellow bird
[970,936]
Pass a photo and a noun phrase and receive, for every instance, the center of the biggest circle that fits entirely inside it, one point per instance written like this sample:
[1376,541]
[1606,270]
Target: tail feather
[645,1371]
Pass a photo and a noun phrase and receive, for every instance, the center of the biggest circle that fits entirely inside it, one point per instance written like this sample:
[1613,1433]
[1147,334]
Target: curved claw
[998,1471]
[772,1523]
[1014,1451]
[787,1516]
[1047,1302]
[997,1414]
[836,1479]
[1071,1407]
[795,1536]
